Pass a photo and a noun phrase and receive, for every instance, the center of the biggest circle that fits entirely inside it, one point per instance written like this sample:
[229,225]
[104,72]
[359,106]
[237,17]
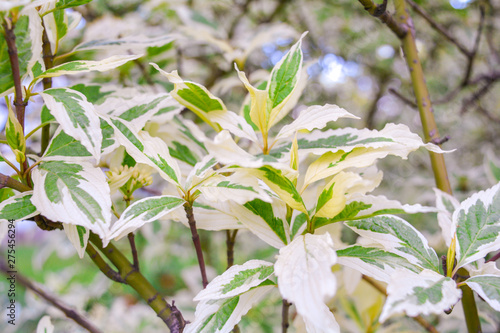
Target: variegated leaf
[14,133]
[238,187]
[360,206]
[58,23]
[285,77]
[65,147]
[194,96]
[314,117]
[83,66]
[216,216]
[446,205]
[78,236]
[73,193]
[76,116]
[281,185]
[399,237]
[138,43]
[332,199]
[63,4]
[229,153]
[419,294]
[236,280]
[18,207]
[477,226]
[374,262]
[143,211]
[305,278]
[264,219]
[223,314]
[146,149]
[488,287]
[234,123]
[28,32]
[200,172]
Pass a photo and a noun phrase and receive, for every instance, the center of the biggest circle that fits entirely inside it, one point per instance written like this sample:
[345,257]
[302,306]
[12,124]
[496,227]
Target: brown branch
[472,55]
[48,60]
[230,241]
[284,316]
[66,309]
[380,12]
[10,38]
[370,117]
[234,23]
[438,27]
[403,98]
[196,241]
[6,181]
[135,257]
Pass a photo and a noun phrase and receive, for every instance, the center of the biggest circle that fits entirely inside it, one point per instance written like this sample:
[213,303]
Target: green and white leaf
[446,205]
[234,123]
[200,172]
[398,236]
[264,219]
[345,148]
[415,294]
[83,66]
[332,198]
[238,187]
[73,193]
[477,226]
[76,116]
[18,207]
[305,278]
[360,206]
[58,23]
[227,152]
[141,212]
[220,316]
[29,49]
[237,280]
[374,262]
[15,135]
[45,325]
[492,166]
[488,287]
[281,185]
[284,79]
[63,4]
[315,116]
[65,147]
[137,43]
[78,236]
[146,149]
[194,96]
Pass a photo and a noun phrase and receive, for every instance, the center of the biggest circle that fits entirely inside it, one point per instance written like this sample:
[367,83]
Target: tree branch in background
[403,98]
[284,316]
[380,12]
[279,8]
[66,309]
[168,313]
[196,241]
[472,55]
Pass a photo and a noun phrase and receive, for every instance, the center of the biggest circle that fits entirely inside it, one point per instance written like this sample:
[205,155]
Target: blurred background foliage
[352,59]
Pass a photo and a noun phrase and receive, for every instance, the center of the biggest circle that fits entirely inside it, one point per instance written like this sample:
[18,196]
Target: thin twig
[66,309]
[237,19]
[285,316]
[438,27]
[380,12]
[131,239]
[370,116]
[196,241]
[472,54]
[405,99]
[494,258]
[230,241]
[48,60]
